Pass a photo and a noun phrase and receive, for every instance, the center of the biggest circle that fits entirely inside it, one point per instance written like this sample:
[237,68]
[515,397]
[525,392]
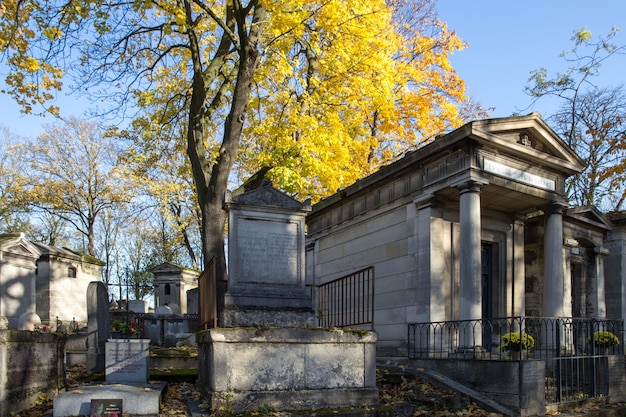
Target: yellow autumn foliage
[342,86]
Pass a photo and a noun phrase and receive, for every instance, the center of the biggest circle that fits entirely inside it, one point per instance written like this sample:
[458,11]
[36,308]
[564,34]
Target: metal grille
[347,301]
[576,351]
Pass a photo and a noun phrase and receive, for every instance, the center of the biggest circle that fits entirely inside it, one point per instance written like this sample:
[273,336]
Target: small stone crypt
[268,354]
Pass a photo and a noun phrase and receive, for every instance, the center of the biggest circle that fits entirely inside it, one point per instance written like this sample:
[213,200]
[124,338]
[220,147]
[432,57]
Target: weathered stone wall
[31,364]
[617,381]
[287,369]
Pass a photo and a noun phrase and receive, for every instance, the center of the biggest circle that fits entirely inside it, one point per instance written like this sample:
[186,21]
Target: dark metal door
[487,290]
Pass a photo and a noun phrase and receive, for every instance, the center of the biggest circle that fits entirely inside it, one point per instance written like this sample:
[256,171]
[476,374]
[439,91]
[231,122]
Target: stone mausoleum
[43,279]
[172,284]
[470,230]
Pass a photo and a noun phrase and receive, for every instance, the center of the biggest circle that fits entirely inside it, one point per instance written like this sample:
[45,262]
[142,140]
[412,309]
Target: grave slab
[137,399]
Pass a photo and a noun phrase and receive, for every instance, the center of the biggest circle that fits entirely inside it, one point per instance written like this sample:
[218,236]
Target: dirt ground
[423,398]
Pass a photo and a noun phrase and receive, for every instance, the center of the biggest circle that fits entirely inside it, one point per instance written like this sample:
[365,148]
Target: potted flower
[135,328]
[119,329]
[516,342]
[603,340]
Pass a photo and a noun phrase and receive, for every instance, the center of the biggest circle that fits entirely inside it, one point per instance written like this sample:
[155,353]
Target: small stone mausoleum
[42,279]
[171,286]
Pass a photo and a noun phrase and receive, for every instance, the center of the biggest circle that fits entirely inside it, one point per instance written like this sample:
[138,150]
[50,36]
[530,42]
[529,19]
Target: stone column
[553,262]
[517,291]
[553,284]
[470,292]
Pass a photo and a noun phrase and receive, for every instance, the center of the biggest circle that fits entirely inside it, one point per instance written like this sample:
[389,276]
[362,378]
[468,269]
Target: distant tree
[49,229]
[162,176]
[15,214]
[147,244]
[71,174]
[590,119]
[595,129]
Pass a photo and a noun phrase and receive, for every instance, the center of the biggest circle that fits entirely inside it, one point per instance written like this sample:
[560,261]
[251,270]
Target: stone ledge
[294,400]
[287,335]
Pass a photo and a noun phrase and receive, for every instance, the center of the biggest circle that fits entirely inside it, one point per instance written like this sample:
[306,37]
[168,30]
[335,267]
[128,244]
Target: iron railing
[575,350]
[348,300]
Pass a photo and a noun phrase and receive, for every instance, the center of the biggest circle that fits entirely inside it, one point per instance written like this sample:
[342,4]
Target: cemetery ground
[400,394]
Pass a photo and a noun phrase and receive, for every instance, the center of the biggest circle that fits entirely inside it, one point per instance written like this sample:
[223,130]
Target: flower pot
[516,355]
[602,350]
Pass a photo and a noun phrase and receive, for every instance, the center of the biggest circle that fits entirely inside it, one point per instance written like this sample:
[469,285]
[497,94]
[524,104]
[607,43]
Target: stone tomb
[268,353]
[266,283]
[287,368]
[126,383]
[137,400]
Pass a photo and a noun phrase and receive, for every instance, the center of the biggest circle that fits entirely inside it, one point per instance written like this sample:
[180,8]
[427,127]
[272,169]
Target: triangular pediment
[268,196]
[167,268]
[589,215]
[16,244]
[528,137]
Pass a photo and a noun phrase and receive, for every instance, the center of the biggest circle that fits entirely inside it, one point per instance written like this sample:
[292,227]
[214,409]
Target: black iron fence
[576,351]
[503,338]
[348,300]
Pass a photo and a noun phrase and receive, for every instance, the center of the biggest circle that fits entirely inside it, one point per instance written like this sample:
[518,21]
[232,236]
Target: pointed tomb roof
[266,196]
[17,245]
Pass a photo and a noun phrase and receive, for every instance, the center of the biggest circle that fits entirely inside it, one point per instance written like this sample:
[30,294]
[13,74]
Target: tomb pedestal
[287,368]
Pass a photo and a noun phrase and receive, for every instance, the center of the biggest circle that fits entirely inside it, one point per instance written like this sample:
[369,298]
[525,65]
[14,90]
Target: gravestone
[138,306]
[98,327]
[127,361]
[266,283]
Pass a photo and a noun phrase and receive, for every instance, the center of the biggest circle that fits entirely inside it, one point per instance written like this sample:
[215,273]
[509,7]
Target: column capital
[469,187]
[520,219]
[556,207]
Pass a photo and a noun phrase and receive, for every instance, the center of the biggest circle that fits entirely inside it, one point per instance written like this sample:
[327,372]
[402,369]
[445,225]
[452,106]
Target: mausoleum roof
[18,244]
[67,253]
[519,162]
[267,196]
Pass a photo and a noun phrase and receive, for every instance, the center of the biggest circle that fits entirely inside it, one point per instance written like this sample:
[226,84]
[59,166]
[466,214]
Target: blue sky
[507,40]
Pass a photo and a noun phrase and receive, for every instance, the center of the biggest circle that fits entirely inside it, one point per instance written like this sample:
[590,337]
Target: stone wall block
[31,364]
[334,366]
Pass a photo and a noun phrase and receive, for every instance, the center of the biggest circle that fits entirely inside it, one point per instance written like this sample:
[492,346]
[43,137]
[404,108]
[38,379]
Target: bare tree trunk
[212,181]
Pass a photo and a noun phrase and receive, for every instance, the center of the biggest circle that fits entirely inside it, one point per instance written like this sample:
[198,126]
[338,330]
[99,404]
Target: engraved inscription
[267,252]
[126,361]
